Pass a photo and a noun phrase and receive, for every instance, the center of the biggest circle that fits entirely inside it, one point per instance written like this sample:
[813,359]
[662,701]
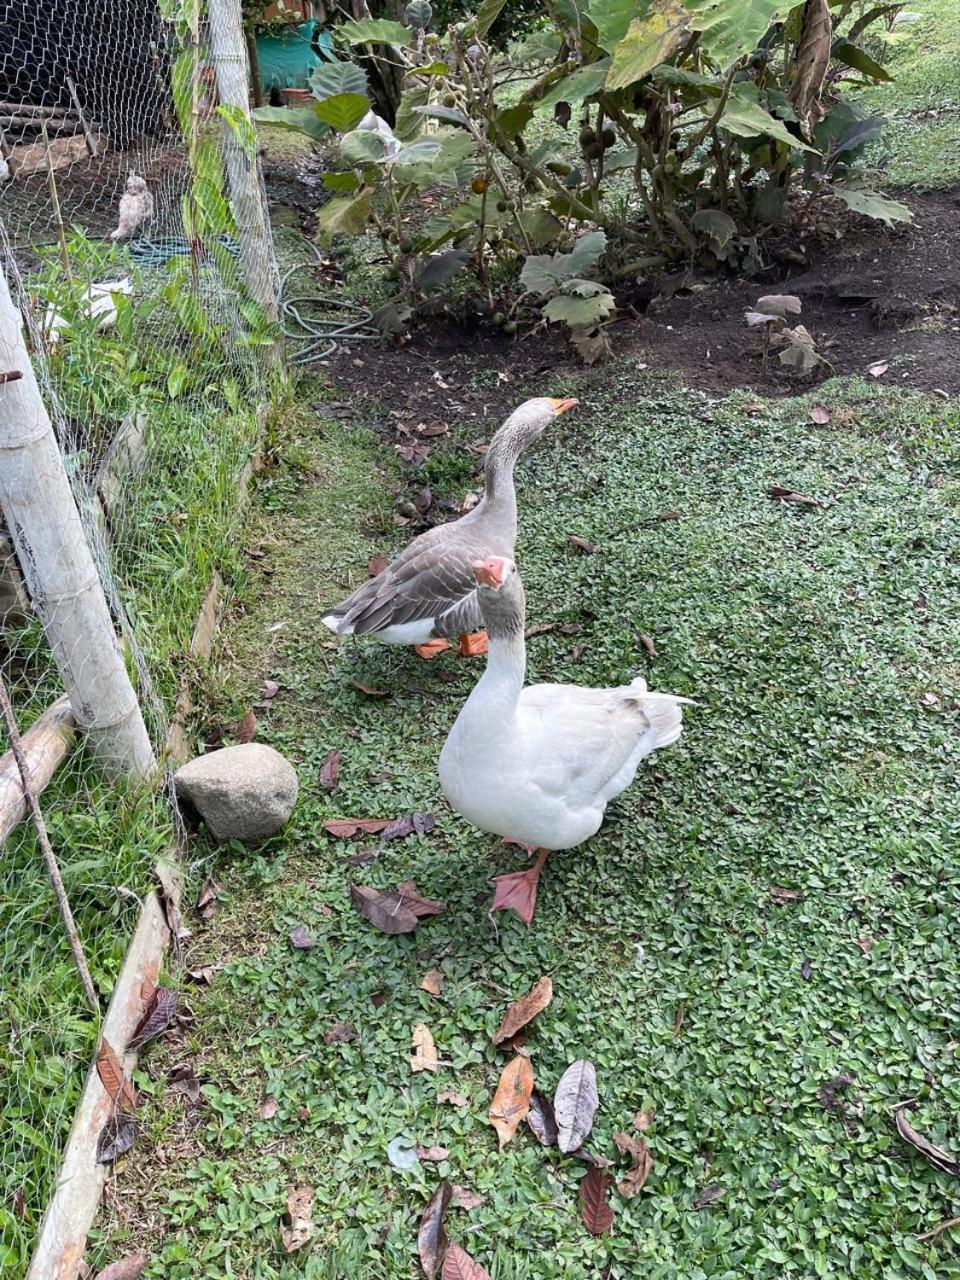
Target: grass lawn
[820,644]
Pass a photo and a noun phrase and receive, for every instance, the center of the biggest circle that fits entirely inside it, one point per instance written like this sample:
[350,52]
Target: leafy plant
[558,282]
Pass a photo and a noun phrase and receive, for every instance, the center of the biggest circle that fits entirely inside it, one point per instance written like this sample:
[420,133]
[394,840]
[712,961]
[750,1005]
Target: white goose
[429,592]
[539,765]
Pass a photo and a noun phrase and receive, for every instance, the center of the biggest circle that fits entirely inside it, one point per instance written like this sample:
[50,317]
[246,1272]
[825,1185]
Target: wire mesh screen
[130,318]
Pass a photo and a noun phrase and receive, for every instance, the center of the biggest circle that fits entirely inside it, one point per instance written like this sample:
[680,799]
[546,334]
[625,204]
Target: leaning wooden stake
[49,857]
[45,745]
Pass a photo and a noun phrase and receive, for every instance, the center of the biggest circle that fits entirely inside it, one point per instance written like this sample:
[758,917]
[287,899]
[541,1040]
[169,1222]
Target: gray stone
[242,793]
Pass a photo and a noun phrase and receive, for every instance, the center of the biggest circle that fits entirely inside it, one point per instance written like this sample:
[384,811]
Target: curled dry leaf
[424,1050]
[302,938]
[269,1107]
[465,1198]
[433,1155]
[416,824]
[511,1102]
[377,565]
[158,1015]
[129,1268]
[779,304]
[458,1265]
[524,1010]
[386,911]
[300,1228]
[878,368]
[707,1196]
[820,414]
[591,1157]
[347,828]
[370,692]
[116,1137]
[594,1207]
[542,1120]
[781,896]
[246,728]
[790,495]
[643,1120]
[575,1103]
[110,1071]
[432,1238]
[330,771]
[269,690]
[455,1099]
[647,642]
[581,544]
[208,899]
[339,1033]
[806,969]
[432,982]
[639,1153]
[939,1158]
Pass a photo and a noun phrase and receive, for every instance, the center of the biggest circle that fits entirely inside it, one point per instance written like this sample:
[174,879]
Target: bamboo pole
[45,746]
[88,137]
[58,568]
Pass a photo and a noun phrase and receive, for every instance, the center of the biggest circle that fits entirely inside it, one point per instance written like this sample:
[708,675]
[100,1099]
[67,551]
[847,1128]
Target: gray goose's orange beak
[561,406]
[491,572]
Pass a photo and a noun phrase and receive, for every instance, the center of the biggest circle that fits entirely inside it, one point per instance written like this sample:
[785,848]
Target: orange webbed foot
[431,649]
[473,644]
[518,890]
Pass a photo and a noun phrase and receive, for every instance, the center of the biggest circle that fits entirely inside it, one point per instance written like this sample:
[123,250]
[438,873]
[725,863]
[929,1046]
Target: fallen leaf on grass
[878,368]
[20,1204]
[581,544]
[594,1209]
[432,982]
[433,1155]
[402,1154]
[780,895]
[246,728]
[643,1120]
[647,642]
[339,1033]
[707,1196]
[269,1107]
[575,1103]
[302,938]
[939,1158]
[269,690]
[806,969]
[424,1050]
[431,1238]
[204,975]
[591,1157]
[300,1212]
[511,1102]
[159,1014]
[370,692]
[455,1099]
[524,1010]
[865,944]
[347,828]
[465,1198]
[542,1120]
[377,565]
[790,495]
[110,1071]
[830,1093]
[639,1153]
[820,414]
[458,1265]
[416,824]
[208,900]
[129,1268]
[116,1137]
[330,771]
[385,911]
[417,903]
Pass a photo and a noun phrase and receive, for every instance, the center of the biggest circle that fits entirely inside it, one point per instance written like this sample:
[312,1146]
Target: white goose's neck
[499,687]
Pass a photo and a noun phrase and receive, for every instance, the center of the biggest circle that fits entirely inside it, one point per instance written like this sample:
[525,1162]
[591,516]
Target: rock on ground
[243,793]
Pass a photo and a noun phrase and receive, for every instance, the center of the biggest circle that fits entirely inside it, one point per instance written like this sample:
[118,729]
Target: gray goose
[429,593]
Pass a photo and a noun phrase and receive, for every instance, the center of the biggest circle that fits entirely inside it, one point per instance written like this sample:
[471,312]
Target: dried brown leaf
[708,1195]
[298,1231]
[591,1157]
[158,1015]
[347,828]
[339,1033]
[639,1153]
[377,565]
[878,368]
[246,728]
[781,895]
[330,771]
[581,544]
[575,1103]
[458,1265]
[455,1099]
[465,1198]
[431,1237]
[790,495]
[414,900]
[129,1268]
[208,900]
[302,938]
[541,1119]
[432,982]
[386,911]
[647,642]
[939,1158]
[110,1071]
[524,1010]
[370,692]
[424,1050]
[269,1107]
[511,1102]
[116,1137]
[204,975]
[643,1120]
[269,690]
[594,1208]
[820,414]
[433,1155]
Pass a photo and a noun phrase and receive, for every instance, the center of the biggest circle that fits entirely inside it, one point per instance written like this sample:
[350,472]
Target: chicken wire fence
[137,303]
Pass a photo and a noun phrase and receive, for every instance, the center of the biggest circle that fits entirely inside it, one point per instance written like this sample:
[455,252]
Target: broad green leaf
[177,379]
[746,119]
[513,120]
[361,147]
[715,224]
[613,17]
[666,73]
[540,226]
[436,231]
[579,311]
[241,127]
[487,13]
[375,31]
[587,252]
[409,124]
[435,271]
[423,152]
[544,273]
[622,158]
[648,42]
[455,147]
[851,55]
[331,78]
[341,181]
[441,113]
[577,86]
[539,46]
[583,288]
[874,205]
[732,28]
[845,128]
[418,14]
[343,111]
[343,216]
[302,119]
[432,69]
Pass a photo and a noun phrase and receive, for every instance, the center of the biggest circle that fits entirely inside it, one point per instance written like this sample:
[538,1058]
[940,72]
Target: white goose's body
[539,765]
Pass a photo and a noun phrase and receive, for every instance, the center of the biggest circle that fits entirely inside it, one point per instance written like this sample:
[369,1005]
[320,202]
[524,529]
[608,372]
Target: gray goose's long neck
[505,448]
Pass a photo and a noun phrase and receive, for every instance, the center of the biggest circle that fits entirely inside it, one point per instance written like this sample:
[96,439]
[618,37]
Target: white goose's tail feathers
[663,712]
[337,624]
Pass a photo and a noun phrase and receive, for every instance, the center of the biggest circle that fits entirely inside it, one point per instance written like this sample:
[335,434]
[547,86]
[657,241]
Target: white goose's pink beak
[491,572]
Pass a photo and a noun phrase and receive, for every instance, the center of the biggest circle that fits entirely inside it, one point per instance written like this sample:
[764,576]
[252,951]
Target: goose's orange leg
[518,890]
[431,649]
[473,644]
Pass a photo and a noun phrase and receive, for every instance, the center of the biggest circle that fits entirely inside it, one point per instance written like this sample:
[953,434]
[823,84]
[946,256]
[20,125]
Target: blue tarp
[286,56]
